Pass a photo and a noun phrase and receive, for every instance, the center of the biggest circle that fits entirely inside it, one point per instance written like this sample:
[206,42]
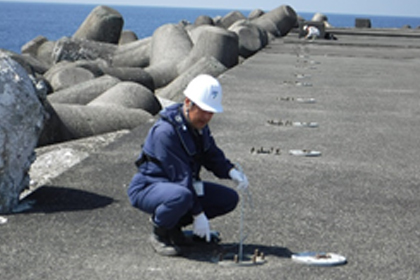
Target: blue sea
[21,22]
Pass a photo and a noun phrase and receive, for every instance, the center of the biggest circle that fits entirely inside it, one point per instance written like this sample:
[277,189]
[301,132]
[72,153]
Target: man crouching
[167,184]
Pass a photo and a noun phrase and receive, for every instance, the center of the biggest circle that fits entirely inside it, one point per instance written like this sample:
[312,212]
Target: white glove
[239,177]
[201,226]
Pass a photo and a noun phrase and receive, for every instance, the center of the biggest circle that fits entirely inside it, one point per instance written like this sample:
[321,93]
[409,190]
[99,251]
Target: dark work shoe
[162,244]
[176,235]
[163,248]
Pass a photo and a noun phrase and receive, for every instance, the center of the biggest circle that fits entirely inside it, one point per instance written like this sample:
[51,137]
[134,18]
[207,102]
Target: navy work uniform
[169,166]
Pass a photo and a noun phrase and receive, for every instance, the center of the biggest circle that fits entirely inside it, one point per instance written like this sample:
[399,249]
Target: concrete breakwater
[104,65]
[105,79]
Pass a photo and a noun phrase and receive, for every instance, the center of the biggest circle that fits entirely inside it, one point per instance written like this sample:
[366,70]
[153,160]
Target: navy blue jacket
[176,153]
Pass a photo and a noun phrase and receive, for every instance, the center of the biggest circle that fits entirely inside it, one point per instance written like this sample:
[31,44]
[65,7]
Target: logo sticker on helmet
[214,92]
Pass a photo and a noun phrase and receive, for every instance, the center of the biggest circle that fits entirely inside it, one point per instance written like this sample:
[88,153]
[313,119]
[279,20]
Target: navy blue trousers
[169,202]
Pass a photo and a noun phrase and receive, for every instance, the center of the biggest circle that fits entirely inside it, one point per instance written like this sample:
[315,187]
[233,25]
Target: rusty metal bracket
[258,258]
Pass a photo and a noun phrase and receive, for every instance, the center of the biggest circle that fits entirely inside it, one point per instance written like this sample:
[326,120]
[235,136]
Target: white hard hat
[206,92]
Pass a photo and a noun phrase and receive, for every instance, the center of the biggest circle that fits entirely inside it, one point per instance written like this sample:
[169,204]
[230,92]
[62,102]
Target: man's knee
[173,207]
[180,200]
[234,200]
[185,198]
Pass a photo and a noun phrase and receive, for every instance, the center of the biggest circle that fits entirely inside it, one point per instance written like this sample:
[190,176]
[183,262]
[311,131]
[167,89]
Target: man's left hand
[240,178]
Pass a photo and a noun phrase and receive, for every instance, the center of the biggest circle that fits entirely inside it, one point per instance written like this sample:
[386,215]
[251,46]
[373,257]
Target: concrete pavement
[358,199]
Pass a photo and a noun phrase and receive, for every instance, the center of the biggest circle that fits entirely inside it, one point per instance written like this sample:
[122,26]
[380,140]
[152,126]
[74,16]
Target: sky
[409,8]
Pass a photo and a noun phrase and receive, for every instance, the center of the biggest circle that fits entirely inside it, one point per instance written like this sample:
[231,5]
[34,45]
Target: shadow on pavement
[51,199]
[217,252]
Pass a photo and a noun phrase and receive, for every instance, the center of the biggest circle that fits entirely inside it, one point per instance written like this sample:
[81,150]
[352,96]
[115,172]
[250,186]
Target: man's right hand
[201,226]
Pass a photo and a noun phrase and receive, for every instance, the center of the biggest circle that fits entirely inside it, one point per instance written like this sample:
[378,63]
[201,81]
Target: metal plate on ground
[305,124]
[305,153]
[305,100]
[319,258]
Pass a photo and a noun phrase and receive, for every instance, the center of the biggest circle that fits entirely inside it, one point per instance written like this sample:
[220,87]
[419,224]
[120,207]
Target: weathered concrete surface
[213,41]
[103,24]
[129,95]
[359,199]
[73,49]
[134,54]
[85,92]
[278,21]
[206,65]
[53,160]
[77,121]
[251,38]
[22,118]
[127,36]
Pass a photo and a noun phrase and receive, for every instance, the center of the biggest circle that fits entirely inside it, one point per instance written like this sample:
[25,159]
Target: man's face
[198,117]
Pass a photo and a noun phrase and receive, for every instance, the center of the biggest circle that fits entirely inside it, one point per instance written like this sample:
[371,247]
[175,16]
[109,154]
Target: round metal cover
[319,258]
[305,153]
[305,124]
[306,100]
